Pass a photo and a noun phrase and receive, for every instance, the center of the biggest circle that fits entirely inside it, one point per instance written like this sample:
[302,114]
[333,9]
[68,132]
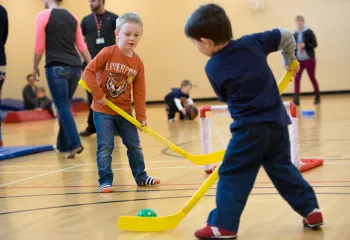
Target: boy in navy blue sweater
[240,76]
[175,100]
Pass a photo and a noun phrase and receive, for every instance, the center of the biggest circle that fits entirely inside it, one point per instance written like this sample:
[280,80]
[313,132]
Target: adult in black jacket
[305,54]
[29,94]
[98,30]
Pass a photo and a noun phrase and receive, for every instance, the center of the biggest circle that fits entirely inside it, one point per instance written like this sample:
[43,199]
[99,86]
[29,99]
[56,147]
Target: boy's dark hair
[186,83]
[209,21]
[299,18]
[29,76]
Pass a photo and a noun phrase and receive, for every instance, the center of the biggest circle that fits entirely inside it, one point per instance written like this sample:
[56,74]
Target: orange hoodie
[113,74]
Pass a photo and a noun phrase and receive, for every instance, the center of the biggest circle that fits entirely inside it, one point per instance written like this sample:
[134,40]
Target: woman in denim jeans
[57,33]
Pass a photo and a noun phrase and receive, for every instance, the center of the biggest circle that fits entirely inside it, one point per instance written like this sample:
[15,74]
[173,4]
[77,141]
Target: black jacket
[3,34]
[310,41]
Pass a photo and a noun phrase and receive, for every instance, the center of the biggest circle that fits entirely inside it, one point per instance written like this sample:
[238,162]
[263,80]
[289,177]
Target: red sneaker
[106,188]
[210,232]
[314,219]
[211,170]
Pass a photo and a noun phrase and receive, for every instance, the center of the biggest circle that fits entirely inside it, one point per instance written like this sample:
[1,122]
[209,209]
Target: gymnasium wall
[169,57]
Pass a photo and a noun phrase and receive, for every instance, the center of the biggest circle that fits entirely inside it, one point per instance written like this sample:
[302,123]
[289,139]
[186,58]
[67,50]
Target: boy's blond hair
[186,83]
[128,18]
[299,18]
[40,89]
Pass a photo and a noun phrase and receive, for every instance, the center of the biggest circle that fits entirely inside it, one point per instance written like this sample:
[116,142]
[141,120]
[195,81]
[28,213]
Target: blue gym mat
[11,104]
[13,152]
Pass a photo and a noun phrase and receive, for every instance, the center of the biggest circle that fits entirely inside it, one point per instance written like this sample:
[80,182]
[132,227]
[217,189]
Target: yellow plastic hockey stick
[201,159]
[196,159]
[287,78]
[166,223]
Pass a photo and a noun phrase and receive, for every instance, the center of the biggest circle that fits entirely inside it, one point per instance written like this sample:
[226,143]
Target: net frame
[207,146]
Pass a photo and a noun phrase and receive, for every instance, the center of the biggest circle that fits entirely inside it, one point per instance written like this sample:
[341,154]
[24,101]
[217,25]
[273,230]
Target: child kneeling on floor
[111,75]
[240,76]
[177,100]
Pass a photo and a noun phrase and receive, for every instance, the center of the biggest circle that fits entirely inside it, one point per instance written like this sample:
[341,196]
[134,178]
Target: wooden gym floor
[45,196]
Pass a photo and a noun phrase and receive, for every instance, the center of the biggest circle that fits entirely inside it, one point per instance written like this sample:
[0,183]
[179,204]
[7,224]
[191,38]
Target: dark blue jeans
[105,127]
[63,81]
[249,148]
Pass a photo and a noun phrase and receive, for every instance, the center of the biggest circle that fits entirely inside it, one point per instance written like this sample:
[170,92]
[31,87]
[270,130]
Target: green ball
[147,212]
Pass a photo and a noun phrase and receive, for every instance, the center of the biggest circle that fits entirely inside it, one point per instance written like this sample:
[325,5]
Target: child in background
[240,76]
[112,74]
[43,102]
[176,98]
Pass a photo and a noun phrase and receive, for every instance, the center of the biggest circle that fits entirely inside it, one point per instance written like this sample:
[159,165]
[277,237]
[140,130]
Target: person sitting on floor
[29,93]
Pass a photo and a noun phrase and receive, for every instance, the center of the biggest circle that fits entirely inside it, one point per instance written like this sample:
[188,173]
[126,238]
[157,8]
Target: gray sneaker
[74,152]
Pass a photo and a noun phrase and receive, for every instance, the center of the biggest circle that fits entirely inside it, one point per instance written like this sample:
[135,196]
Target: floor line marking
[165,184]
[41,175]
[182,166]
[95,170]
[86,164]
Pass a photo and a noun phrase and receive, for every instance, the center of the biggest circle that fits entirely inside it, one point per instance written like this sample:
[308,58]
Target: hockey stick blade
[160,224]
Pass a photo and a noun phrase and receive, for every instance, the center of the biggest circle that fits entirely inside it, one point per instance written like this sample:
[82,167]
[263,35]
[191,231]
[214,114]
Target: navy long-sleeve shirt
[3,34]
[240,76]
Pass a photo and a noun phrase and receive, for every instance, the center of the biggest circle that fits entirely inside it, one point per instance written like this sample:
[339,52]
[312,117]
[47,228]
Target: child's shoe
[314,219]
[211,170]
[210,232]
[106,188]
[171,120]
[150,182]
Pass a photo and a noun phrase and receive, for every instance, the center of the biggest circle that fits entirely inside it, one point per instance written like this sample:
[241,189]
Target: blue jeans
[260,145]
[63,81]
[105,127]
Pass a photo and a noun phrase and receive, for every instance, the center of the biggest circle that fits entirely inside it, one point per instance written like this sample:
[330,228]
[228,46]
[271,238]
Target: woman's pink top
[58,33]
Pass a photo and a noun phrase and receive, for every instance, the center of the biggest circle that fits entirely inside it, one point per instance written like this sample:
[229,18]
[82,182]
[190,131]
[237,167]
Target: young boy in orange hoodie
[112,74]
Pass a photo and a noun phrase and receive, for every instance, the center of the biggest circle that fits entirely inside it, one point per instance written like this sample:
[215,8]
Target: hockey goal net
[215,134]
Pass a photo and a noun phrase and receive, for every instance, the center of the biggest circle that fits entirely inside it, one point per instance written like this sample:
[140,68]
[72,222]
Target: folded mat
[13,152]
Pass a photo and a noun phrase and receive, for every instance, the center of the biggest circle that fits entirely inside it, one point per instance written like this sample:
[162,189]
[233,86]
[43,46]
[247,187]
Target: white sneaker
[171,120]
